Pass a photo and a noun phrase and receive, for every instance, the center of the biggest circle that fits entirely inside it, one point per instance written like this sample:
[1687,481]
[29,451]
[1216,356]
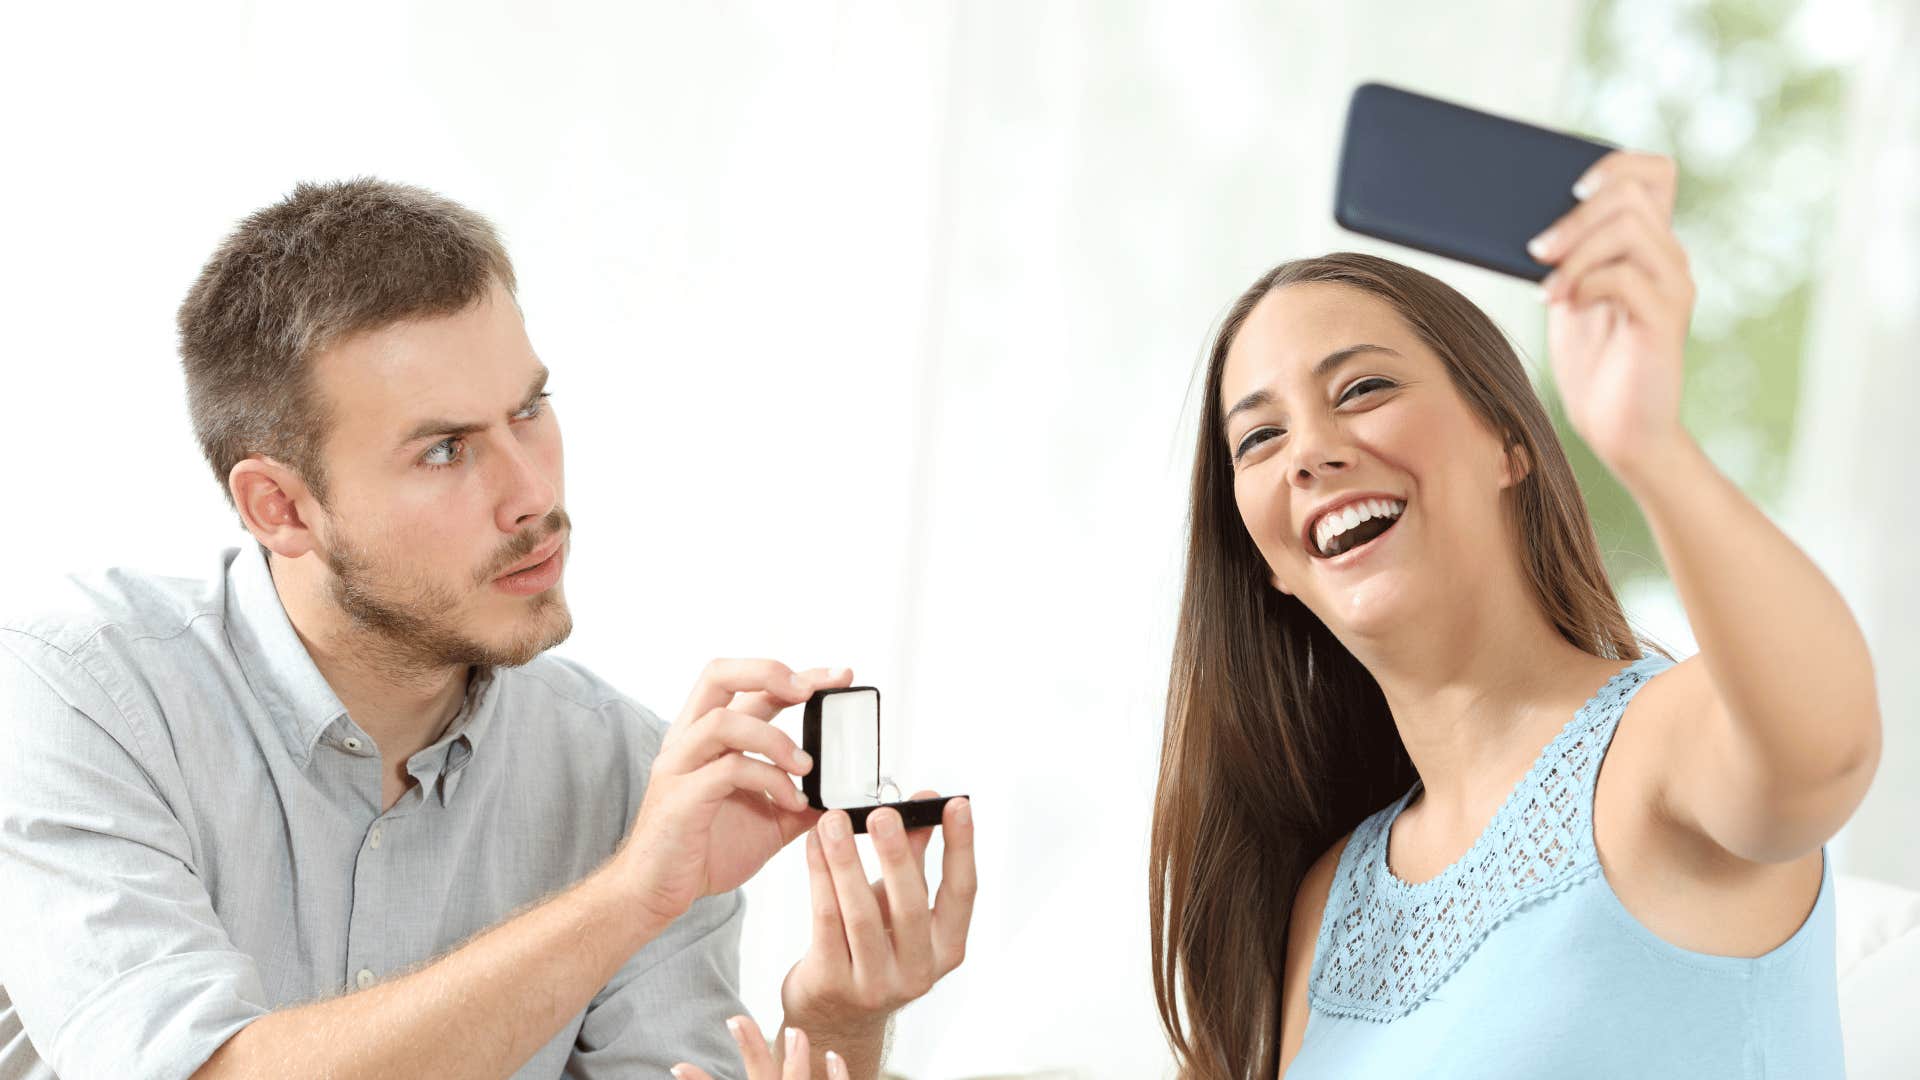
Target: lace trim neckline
[1385,944]
[1550,756]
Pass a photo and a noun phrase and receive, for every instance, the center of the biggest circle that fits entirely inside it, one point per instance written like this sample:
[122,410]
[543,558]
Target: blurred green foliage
[1747,99]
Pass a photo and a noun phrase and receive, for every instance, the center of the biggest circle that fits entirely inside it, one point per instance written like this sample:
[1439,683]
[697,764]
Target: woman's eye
[1253,439]
[1360,387]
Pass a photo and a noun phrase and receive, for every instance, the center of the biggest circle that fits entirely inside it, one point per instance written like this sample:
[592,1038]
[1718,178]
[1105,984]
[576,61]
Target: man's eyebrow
[468,427]
[1320,371]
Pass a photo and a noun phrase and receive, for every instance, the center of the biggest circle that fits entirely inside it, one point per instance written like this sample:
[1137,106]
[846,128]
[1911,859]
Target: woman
[1383,841]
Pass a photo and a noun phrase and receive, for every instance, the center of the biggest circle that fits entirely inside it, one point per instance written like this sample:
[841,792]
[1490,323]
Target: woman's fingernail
[799,682]
[837,674]
[1540,245]
[1584,187]
[1546,288]
[739,1032]
[803,759]
[962,812]
[793,1041]
[834,826]
[836,1066]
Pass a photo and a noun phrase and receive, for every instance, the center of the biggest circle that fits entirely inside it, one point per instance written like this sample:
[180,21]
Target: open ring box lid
[841,731]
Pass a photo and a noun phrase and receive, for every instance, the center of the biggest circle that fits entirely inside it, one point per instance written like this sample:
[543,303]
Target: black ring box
[857,708]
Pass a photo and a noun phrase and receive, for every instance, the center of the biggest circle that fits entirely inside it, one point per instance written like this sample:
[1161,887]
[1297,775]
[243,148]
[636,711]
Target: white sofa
[1877,949]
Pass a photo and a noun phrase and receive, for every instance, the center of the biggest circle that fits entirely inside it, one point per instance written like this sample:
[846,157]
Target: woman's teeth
[1329,533]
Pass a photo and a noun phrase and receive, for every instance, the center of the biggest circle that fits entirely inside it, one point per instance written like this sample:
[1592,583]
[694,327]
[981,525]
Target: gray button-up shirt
[191,836]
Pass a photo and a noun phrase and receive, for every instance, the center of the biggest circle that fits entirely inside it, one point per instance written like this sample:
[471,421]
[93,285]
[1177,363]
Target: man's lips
[540,554]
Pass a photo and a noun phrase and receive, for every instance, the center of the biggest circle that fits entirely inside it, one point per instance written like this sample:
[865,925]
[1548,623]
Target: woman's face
[1327,395]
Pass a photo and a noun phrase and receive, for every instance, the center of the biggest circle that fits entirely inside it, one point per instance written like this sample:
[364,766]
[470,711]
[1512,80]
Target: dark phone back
[1454,181]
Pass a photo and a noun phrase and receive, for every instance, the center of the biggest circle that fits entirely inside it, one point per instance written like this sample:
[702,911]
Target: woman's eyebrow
[1320,371]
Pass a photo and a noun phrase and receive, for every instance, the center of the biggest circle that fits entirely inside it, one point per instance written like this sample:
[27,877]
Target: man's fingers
[829,936]
[859,912]
[723,731]
[766,706]
[718,780]
[953,905]
[906,899]
[918,839]
[722,679]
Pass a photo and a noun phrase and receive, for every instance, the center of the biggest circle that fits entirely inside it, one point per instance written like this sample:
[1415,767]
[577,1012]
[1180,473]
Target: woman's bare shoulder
[1303,932]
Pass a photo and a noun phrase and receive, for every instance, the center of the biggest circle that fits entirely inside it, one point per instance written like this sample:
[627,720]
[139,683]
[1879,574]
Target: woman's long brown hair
[1278,742]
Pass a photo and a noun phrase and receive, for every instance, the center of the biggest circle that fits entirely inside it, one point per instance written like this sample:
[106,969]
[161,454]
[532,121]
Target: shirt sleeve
[112,955]
[670,1001]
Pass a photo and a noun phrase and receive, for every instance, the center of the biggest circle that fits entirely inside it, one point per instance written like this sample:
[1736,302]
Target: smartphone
[1454,181]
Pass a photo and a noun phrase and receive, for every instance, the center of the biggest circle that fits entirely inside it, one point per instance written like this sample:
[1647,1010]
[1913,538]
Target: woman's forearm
[1787,658]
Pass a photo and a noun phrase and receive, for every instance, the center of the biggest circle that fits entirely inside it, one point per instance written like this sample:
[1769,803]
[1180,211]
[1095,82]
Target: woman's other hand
[759,1057]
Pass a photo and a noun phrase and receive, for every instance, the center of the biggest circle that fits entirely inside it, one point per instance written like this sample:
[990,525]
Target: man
[300,819]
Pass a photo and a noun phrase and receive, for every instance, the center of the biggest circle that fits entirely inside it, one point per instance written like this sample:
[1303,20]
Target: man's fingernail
[835,827]
[962,812]
[1584,187]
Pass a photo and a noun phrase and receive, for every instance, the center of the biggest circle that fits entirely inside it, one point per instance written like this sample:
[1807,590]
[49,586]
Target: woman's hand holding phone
[1619,300]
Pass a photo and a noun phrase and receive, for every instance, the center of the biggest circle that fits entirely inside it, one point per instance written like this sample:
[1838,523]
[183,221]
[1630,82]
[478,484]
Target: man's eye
[1253,439]
[538,406]
[442,453]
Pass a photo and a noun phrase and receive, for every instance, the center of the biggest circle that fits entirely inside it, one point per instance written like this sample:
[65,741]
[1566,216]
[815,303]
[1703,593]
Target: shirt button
[373,838]
[364,978]
[351,742]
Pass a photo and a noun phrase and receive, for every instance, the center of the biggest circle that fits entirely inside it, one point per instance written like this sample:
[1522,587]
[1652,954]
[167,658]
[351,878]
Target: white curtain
[1852,503]
[873,329]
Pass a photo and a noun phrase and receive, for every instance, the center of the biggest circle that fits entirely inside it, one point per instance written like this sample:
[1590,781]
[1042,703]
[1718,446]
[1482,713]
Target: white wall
[873,330]
[1852,503]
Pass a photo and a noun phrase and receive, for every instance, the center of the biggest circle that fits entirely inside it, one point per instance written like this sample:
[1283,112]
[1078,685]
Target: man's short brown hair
[328,261]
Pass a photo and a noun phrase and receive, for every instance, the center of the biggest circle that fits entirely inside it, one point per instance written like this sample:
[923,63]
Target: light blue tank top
[1519,961]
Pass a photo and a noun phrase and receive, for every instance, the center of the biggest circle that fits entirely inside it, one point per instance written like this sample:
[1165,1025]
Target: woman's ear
[1519,464]
[1278,584]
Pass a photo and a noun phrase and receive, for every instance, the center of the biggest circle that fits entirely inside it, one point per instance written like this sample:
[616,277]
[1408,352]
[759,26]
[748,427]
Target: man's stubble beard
[408,628]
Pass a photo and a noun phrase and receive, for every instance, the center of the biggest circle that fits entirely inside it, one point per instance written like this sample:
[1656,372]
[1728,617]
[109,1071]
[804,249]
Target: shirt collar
[291,687]
[281,672]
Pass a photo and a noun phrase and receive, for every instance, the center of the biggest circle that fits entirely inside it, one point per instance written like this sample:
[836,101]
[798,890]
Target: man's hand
[712,816]
[878,945]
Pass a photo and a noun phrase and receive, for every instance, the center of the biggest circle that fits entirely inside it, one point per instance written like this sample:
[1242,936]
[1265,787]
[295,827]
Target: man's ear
[268,496]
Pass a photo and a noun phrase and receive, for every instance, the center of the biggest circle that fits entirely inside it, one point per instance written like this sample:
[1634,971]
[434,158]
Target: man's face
[444,472]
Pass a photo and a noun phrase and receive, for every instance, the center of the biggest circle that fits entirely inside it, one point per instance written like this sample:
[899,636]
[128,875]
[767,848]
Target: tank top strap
[1386,944]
